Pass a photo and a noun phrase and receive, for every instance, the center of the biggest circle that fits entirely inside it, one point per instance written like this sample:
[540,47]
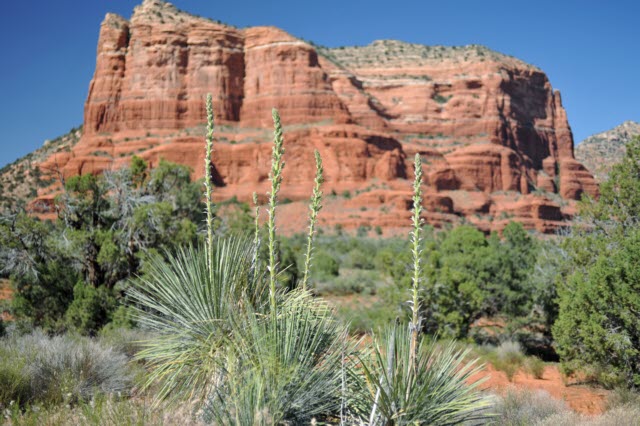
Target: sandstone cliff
[493,135]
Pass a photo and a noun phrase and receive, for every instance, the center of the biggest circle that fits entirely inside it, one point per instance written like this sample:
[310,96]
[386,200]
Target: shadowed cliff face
[494,137]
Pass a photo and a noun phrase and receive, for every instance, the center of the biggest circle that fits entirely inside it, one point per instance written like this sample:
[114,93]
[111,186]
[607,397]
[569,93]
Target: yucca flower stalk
[409,380]
[207,178]
[416,252]
[314,206]
[277,164]
[256,230]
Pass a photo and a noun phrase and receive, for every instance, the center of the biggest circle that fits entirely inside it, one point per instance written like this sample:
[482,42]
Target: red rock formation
[493,135]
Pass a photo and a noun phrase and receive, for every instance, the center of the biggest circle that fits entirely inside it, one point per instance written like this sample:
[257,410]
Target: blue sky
[589,49]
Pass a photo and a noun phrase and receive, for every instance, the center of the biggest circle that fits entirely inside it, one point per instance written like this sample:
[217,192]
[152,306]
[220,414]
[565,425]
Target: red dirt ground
[580,398]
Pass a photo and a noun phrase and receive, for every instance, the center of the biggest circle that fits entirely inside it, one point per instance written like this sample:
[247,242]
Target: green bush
[107,229]
[353,282]
[91,308]
[469,277]
[15,385]
[103,410]
[598,325]
[363,317]
[324,266]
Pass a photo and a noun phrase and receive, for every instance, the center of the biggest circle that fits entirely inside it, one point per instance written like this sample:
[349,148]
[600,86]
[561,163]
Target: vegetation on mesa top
[391,53]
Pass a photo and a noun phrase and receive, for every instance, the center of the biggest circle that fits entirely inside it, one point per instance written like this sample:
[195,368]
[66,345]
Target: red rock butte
[494,138]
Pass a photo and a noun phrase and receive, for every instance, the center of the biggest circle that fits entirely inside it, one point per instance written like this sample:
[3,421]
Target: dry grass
[106,411]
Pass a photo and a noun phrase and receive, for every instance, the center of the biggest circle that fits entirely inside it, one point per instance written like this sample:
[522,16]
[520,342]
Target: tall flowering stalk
[416,252]
[207,180]
[256,231]
[275,176]
[314,206]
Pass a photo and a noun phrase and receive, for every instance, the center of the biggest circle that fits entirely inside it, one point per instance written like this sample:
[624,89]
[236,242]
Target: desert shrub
[51,370]
[598,326]
[621,415]
[351,282]
[624,415]
[128,341]
[103,410]
[470,276]
[325,266]
[622,396]
[507,357]
[525,407]
[91,308]
[14,384]
[535,366]
[364,318]
[107,229]
[358,259]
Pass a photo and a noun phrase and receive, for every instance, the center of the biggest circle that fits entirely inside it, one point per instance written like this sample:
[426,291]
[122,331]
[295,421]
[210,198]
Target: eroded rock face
[600,152]
[492,132]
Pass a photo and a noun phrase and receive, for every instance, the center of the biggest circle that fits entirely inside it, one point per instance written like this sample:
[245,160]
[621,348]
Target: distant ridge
[601,151]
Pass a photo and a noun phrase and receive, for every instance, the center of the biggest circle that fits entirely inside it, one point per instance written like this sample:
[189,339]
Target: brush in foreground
[437,391]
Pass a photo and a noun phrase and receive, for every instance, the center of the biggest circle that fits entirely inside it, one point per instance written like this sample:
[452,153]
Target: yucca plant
[289,365]
[288,370]
[228,336]
[429,386]
[192,308]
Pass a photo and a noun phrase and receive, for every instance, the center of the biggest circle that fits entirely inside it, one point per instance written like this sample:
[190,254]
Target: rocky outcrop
[492,132]
[600,152]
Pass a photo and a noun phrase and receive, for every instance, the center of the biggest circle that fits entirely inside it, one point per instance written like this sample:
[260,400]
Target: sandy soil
[581,398]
